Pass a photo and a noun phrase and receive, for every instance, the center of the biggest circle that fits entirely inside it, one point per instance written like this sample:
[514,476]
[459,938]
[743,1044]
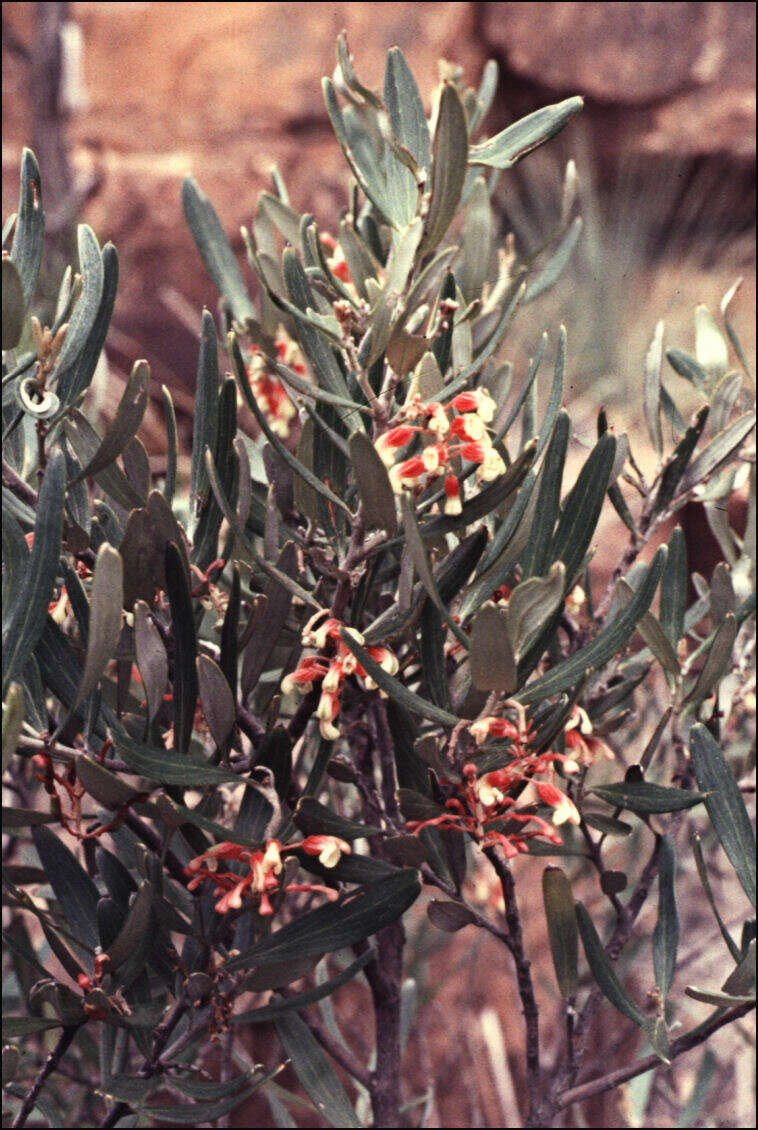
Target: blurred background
[121,100]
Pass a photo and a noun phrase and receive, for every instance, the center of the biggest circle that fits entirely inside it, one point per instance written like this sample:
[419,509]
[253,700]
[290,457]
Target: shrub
[361,653]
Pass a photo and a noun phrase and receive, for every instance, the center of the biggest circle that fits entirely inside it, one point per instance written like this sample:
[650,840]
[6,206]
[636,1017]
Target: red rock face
[226,90]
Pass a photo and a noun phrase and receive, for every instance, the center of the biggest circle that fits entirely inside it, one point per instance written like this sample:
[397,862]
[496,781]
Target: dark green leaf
[302,1000]
[725,806]
[666,932]
[448,167]
[127,420]
[421,563]
[26,250]
[449,916]
[677,463]
[644,797]
[334,926]
[311,818]
[216,699]
[30,613]
[407,116]
[651,631]
[562,930]
[214,249]
[688,368]
[165,767]
[674,588]
[581,509]
[185,685]
[395,689]
[536,557]
[106,602]
[86,443]
[608,643]
[556,264]
[76,379]
[206,407]
[314,1071]
[718,660]
[85,312]
[265,634]
[718,450]
[702,871]
[135,929]
[106,787]
[71,885]
[151,657]
[14,1026]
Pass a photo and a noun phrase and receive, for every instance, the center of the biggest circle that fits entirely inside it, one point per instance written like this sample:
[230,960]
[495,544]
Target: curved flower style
[465,435]
[264,869]
[322,634]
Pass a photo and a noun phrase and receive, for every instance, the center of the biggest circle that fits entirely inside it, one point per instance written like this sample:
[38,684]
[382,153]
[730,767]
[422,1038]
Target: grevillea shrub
[357,665]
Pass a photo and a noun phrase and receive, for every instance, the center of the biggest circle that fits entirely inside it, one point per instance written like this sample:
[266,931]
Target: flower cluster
[269,390]
[323,632]
[457,429]
[580,740]
[483,805]
[264,871]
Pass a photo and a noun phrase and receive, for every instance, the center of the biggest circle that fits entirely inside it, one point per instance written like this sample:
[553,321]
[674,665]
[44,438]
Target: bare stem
[47,1069]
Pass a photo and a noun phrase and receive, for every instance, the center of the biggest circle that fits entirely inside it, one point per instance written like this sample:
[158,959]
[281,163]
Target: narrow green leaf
[646,798]
[205,421]
[127,420]
[677,462]
[86,443]
[302,1000]
[718,660]
[335,925]
[562,930]
[71,885]
[407,116]
[269,625]
[29,233]
[136,926]
[449,916]
[581,510]
[603,971]
[702,871]
[395,689]
[84,316]
[718,450]
[207,1113]
[76,379]
[688,368]
[507,147]
[167,768]
[725,806]
[185,685]
[448,167]
[29,615]
[608,643]
[666,932]
[556,264]
[314,1071]
[214,249]
[674,587]
[313,818]
[106,602]
[14,1026]
[536,558]
[652,632]
[421,562]
[100,783]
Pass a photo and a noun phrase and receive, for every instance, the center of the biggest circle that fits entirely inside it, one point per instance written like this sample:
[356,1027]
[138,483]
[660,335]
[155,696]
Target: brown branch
[525,986]
[47,1069]
[685,1043]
